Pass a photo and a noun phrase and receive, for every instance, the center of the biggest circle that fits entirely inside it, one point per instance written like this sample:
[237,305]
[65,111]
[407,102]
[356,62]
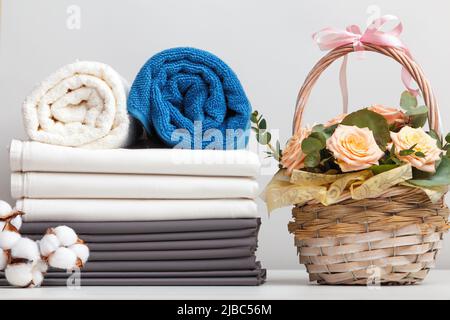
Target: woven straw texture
[391,239]
[399,233]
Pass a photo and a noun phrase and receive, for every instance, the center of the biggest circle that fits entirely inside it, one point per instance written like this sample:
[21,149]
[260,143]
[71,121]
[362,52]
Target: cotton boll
[37,278]
[19,274]
[17,222]
[26,249]
[48,244]
[5,209]
[8,239]
[63,258]
[81,250]
[40,266]
[3,260]
[2,225]
[66,235]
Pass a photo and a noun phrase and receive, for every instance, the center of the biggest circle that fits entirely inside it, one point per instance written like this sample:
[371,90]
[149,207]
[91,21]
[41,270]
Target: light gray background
[267,43]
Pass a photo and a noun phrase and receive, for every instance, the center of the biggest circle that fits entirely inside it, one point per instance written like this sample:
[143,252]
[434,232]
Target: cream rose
[293,156]
[354,148]
[408,137]
[393,116]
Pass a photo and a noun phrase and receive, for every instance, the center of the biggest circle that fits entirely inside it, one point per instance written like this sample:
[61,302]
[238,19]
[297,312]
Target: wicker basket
[392,239]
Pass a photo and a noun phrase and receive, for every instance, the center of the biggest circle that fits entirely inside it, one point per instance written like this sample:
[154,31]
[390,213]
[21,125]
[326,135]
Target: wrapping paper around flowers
[302,186]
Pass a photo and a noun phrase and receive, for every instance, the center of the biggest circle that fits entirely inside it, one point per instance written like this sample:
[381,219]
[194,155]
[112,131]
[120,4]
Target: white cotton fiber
[63,258]
[5,209]
[19,274]
[26,249]
[48,244]
[8,239]
[81,250]
[3,260]
[66,235]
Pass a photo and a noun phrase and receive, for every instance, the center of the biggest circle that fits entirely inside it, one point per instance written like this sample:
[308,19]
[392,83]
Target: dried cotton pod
[17,221]
[82,252]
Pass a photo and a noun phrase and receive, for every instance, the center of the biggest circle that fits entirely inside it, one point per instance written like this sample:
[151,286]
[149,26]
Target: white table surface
[281,284]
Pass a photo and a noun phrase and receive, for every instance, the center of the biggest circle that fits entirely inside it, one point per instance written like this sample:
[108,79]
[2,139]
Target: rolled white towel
[83,104]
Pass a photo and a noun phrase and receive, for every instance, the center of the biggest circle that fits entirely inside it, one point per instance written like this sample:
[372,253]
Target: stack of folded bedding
[183,214]
[149,216]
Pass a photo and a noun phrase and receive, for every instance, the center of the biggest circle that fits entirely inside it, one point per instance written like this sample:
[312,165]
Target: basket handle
[397,54]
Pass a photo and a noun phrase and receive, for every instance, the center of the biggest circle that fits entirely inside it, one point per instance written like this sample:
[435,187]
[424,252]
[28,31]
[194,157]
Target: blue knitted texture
[178,87]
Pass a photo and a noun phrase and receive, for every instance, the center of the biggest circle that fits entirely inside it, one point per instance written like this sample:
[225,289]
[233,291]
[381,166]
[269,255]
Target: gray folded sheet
[175,245]
[162,274]
[171,254]
[244,263]
[173,236]
[227,281]
[253,277]
[139,227]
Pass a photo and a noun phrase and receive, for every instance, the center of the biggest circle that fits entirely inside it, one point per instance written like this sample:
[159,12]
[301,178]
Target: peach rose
[393,116]
[293,156]
[407,137]
[354,148]
[335,120]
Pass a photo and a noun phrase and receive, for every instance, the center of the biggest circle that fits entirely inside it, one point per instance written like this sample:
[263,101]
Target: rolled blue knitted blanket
[190,98]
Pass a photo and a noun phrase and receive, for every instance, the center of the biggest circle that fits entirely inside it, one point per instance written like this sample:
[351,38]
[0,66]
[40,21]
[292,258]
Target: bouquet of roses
[354,149]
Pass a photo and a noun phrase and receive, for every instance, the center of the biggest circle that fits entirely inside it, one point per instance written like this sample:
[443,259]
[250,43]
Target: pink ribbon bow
[331,38]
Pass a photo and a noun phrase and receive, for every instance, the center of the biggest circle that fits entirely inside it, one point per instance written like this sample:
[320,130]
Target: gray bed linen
[213,281]
[173,236]
[136,227]
[161,274]
[244,263]
[163,255]
[174,245]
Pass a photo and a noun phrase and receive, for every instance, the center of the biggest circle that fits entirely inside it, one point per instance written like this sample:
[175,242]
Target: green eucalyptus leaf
[310,145]
[318,128]
[368,119]
[263,124]
[319,136]
[447,138]
[408,101]
[312,160]
[435,136]
[440,178]
[419,120]
[278,152]
[330,130]
[254,117]
[377,169]
[264,138]
[418,116]
[417,111]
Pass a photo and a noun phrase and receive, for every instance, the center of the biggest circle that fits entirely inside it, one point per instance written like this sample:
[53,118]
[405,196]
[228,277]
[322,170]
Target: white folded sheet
[134,210]
[83,104]
[44,185]
[34,156]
